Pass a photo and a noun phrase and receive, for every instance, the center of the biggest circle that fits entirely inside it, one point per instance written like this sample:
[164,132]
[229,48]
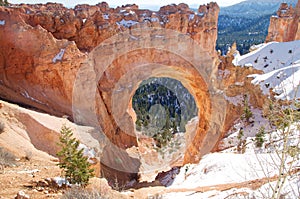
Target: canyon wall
[43,45]
[48,52]
[285,26]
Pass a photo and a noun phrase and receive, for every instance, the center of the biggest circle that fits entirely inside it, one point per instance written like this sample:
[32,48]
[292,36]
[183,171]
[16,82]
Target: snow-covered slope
[229,174]
[280,62]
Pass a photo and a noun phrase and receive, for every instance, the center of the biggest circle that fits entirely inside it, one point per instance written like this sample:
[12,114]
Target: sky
[142,3]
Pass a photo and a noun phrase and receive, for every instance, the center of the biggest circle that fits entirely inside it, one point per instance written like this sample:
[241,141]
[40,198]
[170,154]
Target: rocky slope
[285,25]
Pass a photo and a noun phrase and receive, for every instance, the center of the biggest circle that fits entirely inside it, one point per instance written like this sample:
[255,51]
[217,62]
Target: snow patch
[25,94]
[126,23]
[59,56]
[60,181]
[131,12]
[29,171]
[236,100]
[2,22]
[154,19]
[105,16]
[280,62]
[90,153]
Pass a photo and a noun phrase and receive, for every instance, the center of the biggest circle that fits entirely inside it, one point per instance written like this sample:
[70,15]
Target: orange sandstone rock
[285,26]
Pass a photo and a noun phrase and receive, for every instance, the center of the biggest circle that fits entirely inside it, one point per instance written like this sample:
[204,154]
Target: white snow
[25,94]
[236,100]
[126,23]
[154,19]
[90,153]
[131,12]
[280,63]
[29,171]
[59,56]
[105,16]
[60,181]
[218,169]
[224,168]
[2,22]
[191,17]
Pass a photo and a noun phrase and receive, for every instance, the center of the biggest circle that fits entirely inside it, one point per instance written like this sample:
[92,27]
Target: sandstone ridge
[285,26]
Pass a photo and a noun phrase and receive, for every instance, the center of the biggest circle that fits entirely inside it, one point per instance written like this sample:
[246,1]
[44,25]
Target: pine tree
[75,165]
[3,3]
[247,115]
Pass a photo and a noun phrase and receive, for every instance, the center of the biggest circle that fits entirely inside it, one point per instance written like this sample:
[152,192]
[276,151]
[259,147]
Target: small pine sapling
[75,165]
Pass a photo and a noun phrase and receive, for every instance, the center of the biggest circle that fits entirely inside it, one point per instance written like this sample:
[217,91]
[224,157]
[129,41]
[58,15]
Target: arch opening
[115,70]
[163,107]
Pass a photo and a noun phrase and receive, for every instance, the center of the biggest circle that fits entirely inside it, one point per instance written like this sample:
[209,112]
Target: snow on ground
[224,168]
[217,170]
[226,174]
[280,63]
[249,131]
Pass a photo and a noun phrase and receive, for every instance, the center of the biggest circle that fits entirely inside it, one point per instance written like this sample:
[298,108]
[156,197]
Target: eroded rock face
[286,25]
[32,36]
[89,25]
[45,48]
[35,68]
[137,57]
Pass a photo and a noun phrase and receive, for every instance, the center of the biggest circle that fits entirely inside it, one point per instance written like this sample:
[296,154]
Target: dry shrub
[2,126]
[7,158]
[80,193]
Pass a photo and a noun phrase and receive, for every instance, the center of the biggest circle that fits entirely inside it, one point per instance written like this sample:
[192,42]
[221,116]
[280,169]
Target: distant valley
[246,23]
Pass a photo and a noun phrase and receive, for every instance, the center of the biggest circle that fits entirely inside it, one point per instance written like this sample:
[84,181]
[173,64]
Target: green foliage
[162,138]
[4,3]
[161,110]
[247,113]
[259,137]
[294,151]
[75,165]
[244,30]
[241,134]
[282,118]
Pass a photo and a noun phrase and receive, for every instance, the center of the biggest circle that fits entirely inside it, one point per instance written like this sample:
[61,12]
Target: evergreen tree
[75,165]
[3,3]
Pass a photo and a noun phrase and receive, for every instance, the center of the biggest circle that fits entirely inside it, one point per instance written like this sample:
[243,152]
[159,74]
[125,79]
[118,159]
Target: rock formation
[36,69]
[285,26]
[39,44]
[78,61]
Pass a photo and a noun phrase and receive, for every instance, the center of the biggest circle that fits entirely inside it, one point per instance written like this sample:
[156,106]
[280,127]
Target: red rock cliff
[285,26]
[42,45]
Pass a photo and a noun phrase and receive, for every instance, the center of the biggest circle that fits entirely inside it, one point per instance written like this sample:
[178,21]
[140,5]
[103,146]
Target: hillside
[247,166]
[246,23]
[280,63]
[254,8]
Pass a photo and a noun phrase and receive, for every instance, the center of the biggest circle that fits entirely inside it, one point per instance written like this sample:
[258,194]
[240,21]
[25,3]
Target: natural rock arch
[106,83]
